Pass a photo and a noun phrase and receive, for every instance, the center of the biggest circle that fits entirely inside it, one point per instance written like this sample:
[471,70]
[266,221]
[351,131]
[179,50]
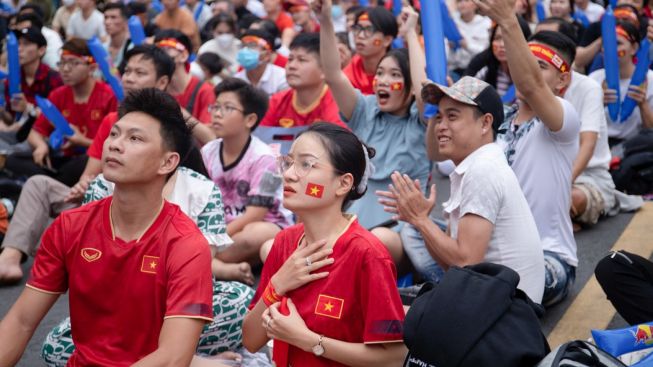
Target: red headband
[627,15]
[622,32]
[255,39]
[545,53]
[172,43]
[295,8]
[88,59]
[363,16]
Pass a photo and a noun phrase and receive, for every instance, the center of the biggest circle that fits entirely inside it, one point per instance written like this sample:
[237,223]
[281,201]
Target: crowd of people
[267,173]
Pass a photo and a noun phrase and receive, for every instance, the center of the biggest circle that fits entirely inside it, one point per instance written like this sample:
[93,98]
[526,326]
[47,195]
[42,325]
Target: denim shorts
[419,256]
[559,278]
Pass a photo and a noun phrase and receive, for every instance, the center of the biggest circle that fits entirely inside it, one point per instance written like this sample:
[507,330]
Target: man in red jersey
[192,94]
[308,99]
[133,247]
[83,101]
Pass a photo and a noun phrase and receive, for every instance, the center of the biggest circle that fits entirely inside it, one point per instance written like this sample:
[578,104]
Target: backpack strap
[577,351]
[191,101]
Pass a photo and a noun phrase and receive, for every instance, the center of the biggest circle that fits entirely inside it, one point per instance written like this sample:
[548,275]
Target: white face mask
[68,2]
[225,40]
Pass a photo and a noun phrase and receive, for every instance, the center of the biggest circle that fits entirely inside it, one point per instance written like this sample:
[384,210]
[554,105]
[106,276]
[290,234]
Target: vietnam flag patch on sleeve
[314,190]
[329,306]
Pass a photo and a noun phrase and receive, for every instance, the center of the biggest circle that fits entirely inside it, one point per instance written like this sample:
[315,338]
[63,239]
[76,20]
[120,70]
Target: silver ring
[308,261]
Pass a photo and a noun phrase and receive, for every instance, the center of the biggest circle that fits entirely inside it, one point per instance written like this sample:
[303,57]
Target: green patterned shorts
[230,301]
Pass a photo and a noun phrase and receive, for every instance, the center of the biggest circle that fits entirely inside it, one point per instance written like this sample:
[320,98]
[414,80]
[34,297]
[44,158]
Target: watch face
[318,350]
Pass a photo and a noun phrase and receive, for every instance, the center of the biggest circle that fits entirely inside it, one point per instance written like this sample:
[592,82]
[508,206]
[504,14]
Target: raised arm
[17,327]
[408,30]
[524,69]
[341,87]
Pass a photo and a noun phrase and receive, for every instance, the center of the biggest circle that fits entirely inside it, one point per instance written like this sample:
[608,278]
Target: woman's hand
[296,271]
[291,328]
[322,9]
[407,20]
[638,93]
[609,96]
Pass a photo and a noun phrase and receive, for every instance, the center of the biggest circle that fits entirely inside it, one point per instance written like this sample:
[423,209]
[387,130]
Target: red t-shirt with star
[203,98]
[95,149]
[283,110]
[357,302]
[85,116]
[121,292]
[357,76]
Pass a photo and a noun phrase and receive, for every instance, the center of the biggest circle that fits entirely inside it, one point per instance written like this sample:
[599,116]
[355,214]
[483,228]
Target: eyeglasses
[72,63]
[367,30]
[302,165]
[224,110]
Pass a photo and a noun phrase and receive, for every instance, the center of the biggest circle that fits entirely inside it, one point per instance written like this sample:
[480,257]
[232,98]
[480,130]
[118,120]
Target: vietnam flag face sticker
[397,86]
[329,306]
[314,190]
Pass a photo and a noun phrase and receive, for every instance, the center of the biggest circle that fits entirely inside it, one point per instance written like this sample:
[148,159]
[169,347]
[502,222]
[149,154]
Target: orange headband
[545,53]
[298,8]
[172,43]
[254,39]
[364,16]
[622,32]
[628,15]
[88,59]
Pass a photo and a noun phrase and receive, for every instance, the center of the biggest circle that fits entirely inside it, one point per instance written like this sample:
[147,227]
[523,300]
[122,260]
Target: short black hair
[36,8]
[254,100]
[307,41]
[174,34]
[162,107]
[558,41]
[345,152]
[136,7]
[564,27]
[382,19]
[344,39]
[163,63]
[222,18]
[211,61]
[33,18]
[77,46]
[354,9]
[124,11]
[631,30]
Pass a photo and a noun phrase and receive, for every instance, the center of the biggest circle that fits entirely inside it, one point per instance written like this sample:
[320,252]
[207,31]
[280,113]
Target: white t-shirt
[53,50]
[272,81]
[632,125]
[483,184]
[542,161]
[228,53]
[477,36]
[586,95]
[593,12]
[86,28]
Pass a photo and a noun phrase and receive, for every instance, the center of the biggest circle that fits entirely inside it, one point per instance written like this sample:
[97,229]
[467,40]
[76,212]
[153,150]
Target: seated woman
[332,274]
[491,65]
[201,200]
[628,39]
[388,120]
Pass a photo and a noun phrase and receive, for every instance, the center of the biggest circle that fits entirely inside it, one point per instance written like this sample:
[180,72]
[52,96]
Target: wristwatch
[318,349]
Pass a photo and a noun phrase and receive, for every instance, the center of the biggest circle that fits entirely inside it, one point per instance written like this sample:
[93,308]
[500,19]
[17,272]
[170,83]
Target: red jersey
[358,302]
[283,110]
[280,61]
[204,97]
[85,116]
[121,292]
[283,21]
[358,77]
[95,149]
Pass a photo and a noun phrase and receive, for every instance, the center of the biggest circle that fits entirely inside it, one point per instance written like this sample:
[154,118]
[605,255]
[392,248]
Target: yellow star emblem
[328,306]
[315,191]
[153,265]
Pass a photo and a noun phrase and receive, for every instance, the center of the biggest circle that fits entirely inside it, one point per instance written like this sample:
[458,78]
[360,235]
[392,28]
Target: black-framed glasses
[224,110]
[366,30]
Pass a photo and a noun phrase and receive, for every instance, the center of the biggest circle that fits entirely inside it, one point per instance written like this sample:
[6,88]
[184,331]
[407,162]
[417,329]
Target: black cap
[32,34]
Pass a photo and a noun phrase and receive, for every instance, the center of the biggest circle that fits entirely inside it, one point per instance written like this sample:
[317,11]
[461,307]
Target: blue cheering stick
[364,3]
[157,6]
[611,60]
[198,11]
[509,96]
[643,62]
[436,57]
[581,18]
[136,31]
[102,58]
[3,75]
[449,27]
[14,64]
[396,7]
[61,126]
[541,12]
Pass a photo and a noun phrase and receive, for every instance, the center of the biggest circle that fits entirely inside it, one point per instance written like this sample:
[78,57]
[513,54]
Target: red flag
[149,264]
[329,306]
[397,86]
[314,190]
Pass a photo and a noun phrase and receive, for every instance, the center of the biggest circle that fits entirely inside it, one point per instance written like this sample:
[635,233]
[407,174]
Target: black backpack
[474,317]
[634,175]
[579,353]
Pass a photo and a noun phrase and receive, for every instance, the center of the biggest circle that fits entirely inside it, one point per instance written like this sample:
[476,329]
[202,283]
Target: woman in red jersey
[328,291]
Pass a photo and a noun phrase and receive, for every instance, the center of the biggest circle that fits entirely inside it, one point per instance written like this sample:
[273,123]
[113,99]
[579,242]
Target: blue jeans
[422,260]
[559,278]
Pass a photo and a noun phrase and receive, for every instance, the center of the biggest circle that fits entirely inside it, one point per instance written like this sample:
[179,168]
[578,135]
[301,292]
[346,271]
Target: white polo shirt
[483,184]
[272,81]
